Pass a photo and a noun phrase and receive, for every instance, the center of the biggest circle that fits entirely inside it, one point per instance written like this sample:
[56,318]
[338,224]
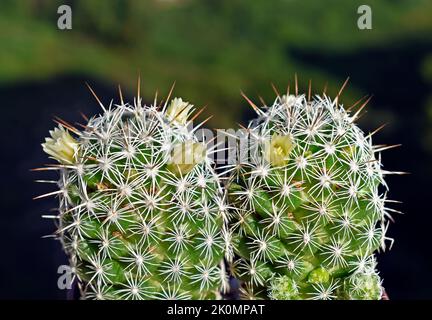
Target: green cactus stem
[307,210]
[141,212]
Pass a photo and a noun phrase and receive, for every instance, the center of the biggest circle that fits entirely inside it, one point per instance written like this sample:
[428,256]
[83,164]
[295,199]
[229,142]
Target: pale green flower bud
[61,146]
[283,288]
[363,286]
[178,111]
[185,156]
[319,275]
[289,100]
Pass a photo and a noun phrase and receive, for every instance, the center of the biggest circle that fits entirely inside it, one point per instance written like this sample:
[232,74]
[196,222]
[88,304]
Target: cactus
[306,210]
[141,214]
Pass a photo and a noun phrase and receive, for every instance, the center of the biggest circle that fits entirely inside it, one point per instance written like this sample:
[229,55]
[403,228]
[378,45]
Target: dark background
[212,49]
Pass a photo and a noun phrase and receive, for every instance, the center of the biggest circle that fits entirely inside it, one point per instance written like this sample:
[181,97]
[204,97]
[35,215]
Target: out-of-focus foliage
[427,74]
[212,48]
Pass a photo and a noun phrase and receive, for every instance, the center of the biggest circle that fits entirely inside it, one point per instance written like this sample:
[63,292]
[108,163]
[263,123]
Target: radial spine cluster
[308,206]
[141,208]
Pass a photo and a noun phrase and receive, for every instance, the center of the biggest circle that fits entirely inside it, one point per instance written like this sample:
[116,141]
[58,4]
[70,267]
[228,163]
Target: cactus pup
[140,212]
[308,203]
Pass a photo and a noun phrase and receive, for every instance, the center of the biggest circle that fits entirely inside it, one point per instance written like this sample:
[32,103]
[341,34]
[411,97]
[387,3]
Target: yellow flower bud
[185,156]
[178,111]
[61,146]
[277,150]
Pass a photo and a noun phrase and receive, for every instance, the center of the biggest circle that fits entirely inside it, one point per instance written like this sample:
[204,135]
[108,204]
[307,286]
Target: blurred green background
[213,49]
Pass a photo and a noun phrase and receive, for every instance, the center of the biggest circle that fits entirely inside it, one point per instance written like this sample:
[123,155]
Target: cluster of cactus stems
[143,215]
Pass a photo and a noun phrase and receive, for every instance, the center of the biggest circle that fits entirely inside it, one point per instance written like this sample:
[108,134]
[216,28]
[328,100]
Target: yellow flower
[185,156]
[178,111]
[277,150]
[61,146]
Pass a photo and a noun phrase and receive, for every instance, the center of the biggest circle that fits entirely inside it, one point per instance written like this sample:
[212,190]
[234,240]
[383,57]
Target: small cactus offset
[141,208]
[307,212]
